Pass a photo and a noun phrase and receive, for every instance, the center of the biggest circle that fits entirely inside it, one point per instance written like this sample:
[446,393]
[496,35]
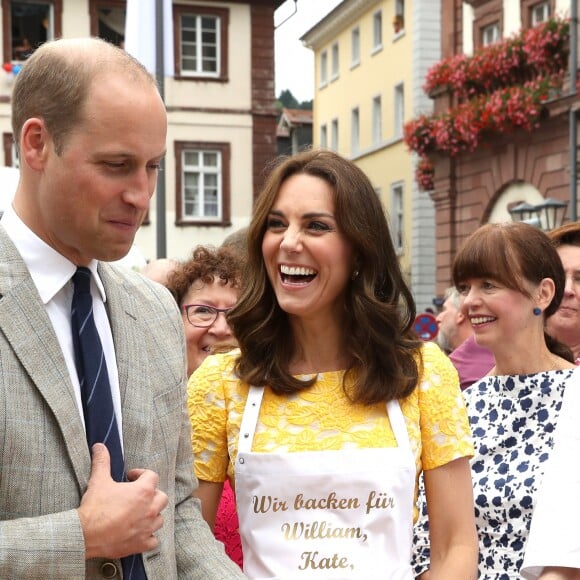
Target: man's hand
[119,519]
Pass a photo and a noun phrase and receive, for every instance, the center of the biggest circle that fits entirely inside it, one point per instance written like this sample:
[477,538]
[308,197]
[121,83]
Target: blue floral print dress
[513,419]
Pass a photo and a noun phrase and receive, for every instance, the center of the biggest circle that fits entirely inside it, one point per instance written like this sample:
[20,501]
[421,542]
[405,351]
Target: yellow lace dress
[322,418]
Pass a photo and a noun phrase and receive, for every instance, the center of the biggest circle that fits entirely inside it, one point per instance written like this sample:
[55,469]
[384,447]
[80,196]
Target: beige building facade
[220,104]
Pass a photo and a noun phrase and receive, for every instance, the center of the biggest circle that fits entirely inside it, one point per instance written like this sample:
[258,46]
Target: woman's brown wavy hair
[511,253]
[379,308]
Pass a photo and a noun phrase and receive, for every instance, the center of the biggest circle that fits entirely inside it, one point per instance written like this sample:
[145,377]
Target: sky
[294,64]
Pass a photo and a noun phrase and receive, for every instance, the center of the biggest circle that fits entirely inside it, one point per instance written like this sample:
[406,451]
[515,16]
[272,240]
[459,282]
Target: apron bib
[344,514]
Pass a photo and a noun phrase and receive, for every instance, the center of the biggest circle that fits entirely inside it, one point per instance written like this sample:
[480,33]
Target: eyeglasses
[202,315]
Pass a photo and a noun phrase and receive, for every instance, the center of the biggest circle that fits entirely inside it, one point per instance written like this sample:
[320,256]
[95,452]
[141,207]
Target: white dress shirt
[52,275]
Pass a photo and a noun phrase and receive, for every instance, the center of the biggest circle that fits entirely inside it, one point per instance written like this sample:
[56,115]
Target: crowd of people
[264,409]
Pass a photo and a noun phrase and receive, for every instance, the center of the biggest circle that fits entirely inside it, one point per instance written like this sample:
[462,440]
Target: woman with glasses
[332,406]
[206,288]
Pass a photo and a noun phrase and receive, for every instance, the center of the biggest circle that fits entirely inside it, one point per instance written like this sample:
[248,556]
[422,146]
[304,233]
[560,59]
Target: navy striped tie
[100,420]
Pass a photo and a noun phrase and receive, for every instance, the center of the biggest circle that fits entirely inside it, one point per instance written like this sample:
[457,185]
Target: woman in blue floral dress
[511,280]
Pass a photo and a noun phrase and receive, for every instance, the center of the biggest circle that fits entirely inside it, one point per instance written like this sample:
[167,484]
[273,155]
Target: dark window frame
[224,15]
[7,22]
[225,150]
[526,10]
[94,6]
[485,14]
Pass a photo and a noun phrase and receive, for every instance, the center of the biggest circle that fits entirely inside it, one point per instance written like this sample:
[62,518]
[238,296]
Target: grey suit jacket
[44,457]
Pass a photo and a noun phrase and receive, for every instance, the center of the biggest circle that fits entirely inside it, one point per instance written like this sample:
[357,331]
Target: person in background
[456,337]
[565,324]
[91,127]
[238,240]
[332,407]
[22,49]
[160,270]
[511,281]
[206,288]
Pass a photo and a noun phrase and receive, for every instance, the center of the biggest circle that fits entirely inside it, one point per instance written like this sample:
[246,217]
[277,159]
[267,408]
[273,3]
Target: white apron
[325,514]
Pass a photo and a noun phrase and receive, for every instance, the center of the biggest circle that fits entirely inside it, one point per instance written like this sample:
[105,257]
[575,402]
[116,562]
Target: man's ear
[34,143]
[460,318]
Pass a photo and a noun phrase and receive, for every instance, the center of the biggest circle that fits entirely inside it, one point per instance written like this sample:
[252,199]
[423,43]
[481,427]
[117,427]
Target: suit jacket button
[109,570]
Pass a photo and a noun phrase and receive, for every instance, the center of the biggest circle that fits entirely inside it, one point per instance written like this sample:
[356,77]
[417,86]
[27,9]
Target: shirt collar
[50,271]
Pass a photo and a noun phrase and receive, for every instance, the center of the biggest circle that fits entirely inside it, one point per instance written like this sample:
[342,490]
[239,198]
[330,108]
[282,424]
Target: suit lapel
[29,331]
[128,335]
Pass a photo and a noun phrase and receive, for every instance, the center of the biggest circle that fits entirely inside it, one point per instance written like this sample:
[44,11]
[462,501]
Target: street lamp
[552,213]
[524,211]
[546,215]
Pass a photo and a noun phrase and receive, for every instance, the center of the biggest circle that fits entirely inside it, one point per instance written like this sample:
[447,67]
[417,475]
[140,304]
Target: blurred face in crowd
[447,321]
[564,324]
[205,330]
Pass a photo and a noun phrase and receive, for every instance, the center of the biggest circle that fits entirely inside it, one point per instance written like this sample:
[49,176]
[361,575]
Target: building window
[377,121]
[354,131]
[399,110]
[539,13]
[334,135]
[201,42]
[108,20]
[399,18]
[323,137]
[355,47]
[27,25]
[323,68]
[488,20]
[490,34]
[335,62]
[397,216]
[377,31]
[202,183]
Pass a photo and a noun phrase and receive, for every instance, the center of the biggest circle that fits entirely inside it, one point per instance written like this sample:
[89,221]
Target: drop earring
[354,275]
[537,311]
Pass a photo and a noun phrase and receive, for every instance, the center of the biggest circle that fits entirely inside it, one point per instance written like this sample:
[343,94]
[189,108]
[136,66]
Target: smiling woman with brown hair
[332,407]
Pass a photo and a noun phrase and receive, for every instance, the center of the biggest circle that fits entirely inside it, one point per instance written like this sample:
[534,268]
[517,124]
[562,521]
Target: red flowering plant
[501,87]
[424,174]
[462,128]
[541,50]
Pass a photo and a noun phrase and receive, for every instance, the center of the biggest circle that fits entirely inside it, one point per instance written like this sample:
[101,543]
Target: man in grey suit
[91,129]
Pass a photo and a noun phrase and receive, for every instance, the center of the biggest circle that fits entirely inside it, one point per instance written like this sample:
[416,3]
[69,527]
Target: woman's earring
[354,275]
[537,311]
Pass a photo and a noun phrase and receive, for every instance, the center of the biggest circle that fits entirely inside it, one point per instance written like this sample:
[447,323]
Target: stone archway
[512,195]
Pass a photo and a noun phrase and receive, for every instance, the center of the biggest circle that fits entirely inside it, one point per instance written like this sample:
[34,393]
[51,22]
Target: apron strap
[399,426]
[250,419]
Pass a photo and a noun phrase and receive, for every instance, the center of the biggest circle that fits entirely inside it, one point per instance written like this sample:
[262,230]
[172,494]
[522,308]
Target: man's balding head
[55,81]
